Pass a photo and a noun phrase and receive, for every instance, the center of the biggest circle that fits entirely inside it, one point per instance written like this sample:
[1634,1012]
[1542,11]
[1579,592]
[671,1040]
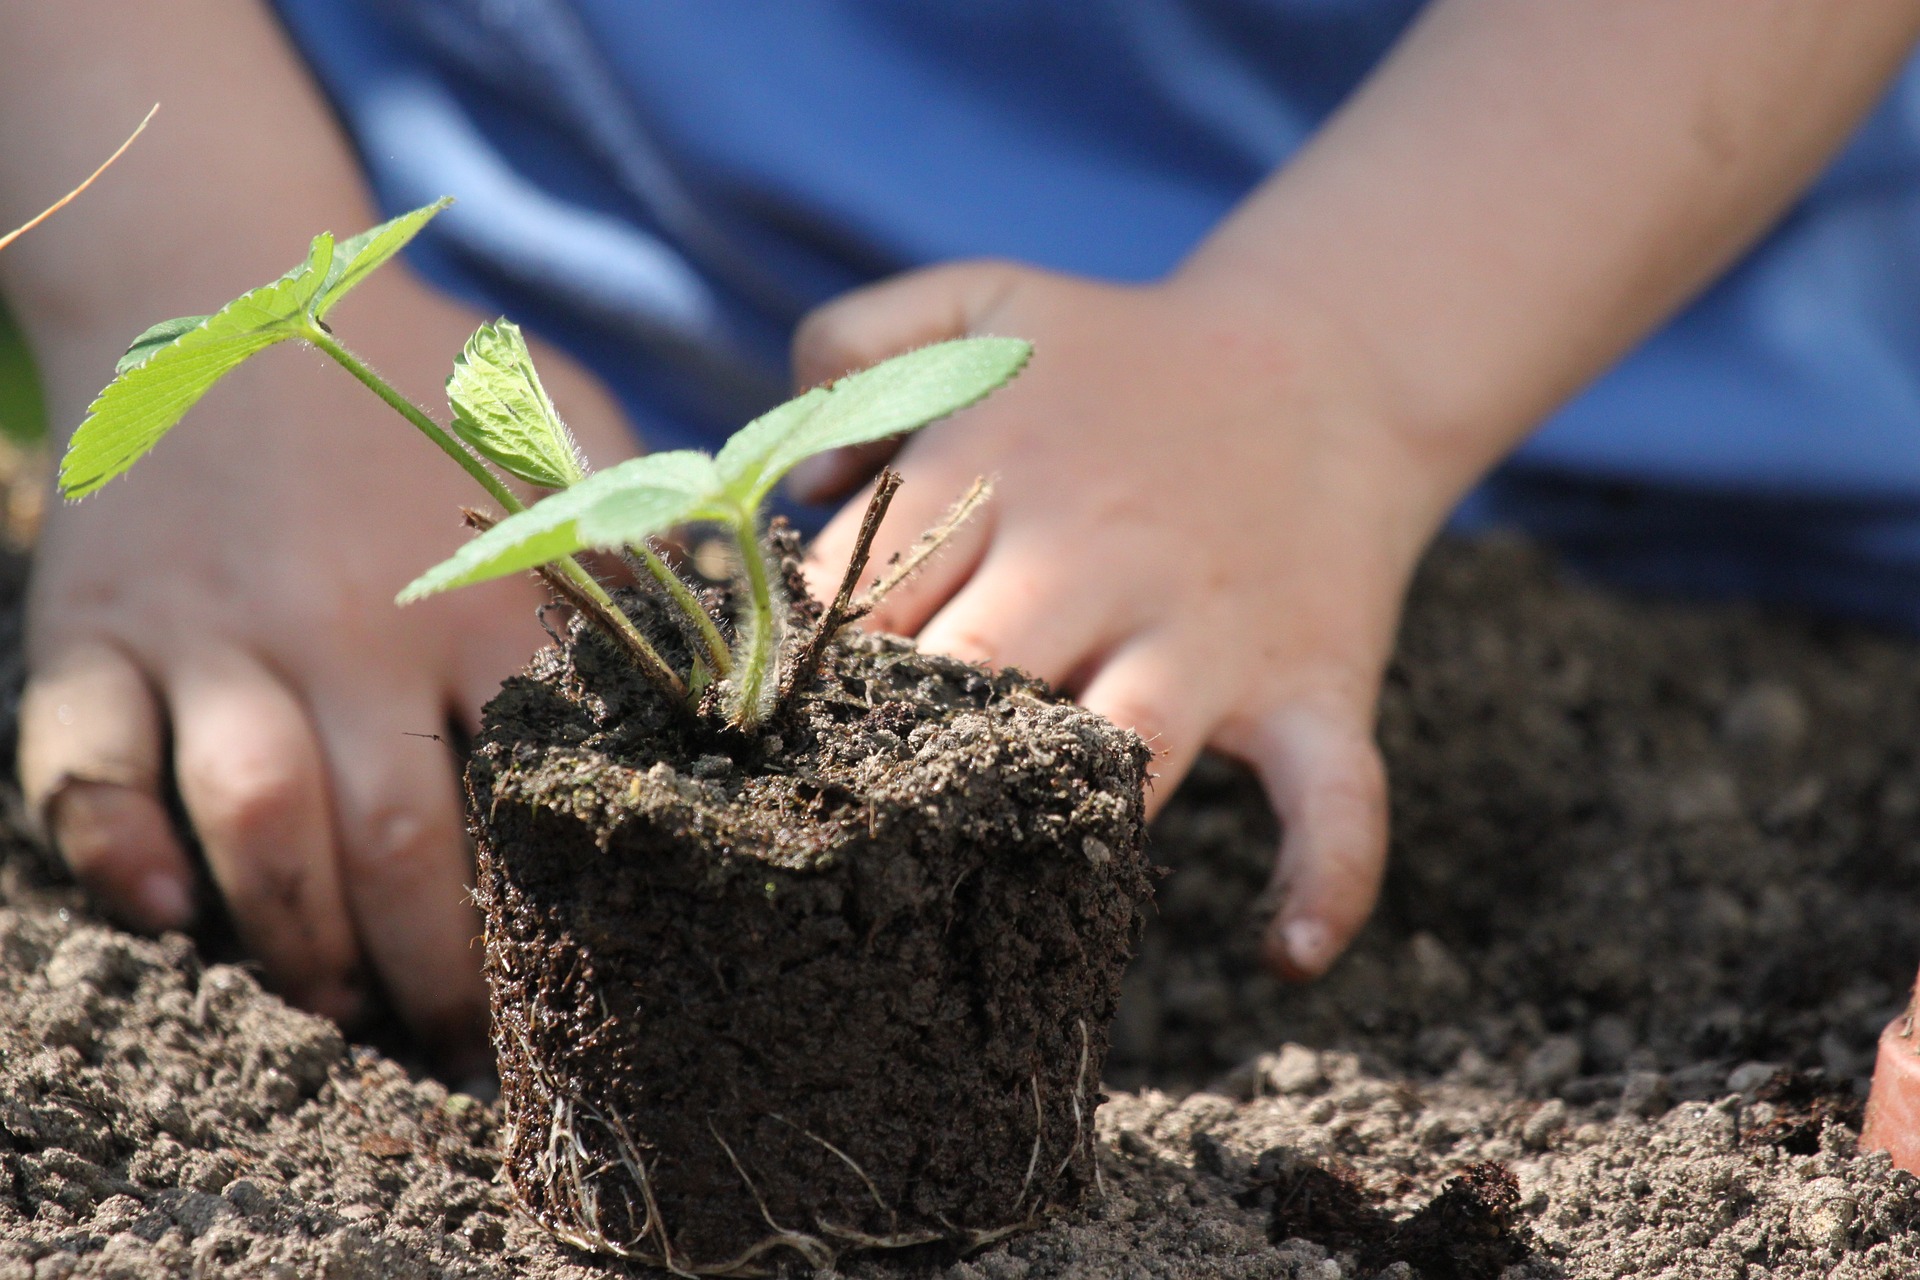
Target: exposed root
[1033,1160]
[812,1248]
[923,550]
[1079,1113]
[845,1159]
[570,1180]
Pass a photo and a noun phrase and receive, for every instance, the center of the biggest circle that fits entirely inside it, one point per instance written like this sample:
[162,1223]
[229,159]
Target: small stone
[1708,796]
[1644,1094]
[1296,1069]
[1543,1124]
[94,958]
[1436,972]
[1767,718]
[1823,1214]
[1553,1062]
[1749,1076]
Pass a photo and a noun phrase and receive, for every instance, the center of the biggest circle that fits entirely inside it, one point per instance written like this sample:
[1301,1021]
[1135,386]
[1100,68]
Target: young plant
[501,415]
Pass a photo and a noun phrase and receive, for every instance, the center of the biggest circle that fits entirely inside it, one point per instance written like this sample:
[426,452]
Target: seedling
[501,415]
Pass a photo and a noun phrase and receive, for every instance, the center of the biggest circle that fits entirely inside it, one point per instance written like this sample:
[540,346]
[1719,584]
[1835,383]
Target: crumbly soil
[1656,886]
[844,981]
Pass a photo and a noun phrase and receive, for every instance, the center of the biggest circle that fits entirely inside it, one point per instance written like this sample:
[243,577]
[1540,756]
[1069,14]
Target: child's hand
[1202,526]
[227,615]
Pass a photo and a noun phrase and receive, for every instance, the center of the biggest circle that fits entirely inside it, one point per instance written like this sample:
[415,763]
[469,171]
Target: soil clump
[1646,857]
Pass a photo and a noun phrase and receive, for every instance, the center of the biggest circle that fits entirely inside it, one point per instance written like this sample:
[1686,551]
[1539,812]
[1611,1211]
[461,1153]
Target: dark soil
[1645,857]
[844,982]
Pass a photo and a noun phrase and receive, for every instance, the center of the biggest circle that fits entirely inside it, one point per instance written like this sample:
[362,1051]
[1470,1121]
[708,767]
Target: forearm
[1522,191]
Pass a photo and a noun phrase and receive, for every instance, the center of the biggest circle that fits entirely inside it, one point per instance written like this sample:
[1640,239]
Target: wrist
[1403,469]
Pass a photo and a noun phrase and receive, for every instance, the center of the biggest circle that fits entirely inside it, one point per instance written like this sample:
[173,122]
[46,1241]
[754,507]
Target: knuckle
[388,839]
[249,799]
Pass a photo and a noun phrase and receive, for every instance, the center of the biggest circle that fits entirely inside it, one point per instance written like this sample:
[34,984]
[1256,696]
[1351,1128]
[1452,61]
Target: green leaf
[610,509]
[153,339]
[500,408]
[894,396]
[144,402]
[359,256]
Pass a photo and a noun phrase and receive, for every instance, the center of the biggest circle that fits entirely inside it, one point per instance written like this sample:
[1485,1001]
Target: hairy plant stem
[753,669]
[841,611]
[708,634]
[644,656]
[606,612]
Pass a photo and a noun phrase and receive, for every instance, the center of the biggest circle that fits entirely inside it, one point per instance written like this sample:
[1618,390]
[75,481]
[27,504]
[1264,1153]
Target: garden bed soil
[1655,890]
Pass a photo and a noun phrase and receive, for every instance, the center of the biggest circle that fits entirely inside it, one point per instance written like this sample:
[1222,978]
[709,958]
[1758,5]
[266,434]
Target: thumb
[1326,781]
[866,326]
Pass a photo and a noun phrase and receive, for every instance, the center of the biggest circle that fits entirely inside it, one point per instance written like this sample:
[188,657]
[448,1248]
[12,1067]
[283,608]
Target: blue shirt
[665,187]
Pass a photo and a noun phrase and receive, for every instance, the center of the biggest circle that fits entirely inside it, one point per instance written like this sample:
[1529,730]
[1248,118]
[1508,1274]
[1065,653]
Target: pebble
[1823,1215]
[1644,1094]
[1553,1062]
[1543,1124]
[1767,718]
[1295,1069]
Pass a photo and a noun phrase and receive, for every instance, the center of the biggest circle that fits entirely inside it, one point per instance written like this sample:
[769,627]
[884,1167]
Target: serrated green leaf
[500,408]
[894,396]
[153,339]
[610,509]
[144,402]
[358,256]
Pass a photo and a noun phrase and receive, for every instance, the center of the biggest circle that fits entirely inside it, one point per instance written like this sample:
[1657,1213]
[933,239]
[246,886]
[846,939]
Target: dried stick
[842,611]
[657,672]
[68,198]
[923,550]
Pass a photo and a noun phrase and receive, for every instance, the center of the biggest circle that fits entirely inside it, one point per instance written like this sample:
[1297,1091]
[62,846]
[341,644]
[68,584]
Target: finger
[1326,781]
[1149,686]
[404,863]
[919,506]
[251,777]
[1016,610]
[91,743]
[829,477]
[866,326]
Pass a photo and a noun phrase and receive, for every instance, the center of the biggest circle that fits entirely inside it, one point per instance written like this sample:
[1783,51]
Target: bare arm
[1522,190]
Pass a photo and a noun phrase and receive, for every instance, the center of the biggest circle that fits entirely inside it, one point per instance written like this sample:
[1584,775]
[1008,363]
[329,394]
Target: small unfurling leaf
[500,408]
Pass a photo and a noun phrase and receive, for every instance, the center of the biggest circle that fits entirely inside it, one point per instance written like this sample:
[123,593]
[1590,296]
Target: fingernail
[1309,946]
[165,903]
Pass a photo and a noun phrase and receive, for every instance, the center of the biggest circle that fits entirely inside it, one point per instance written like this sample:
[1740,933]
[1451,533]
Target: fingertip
[163,902]
[1300,949]
[120,844]
[1327,784]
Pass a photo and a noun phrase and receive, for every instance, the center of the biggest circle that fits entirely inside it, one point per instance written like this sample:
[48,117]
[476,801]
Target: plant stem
[841,611]
[603,611]
[413,413]
[709,635]
[753,671]
[608,612]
